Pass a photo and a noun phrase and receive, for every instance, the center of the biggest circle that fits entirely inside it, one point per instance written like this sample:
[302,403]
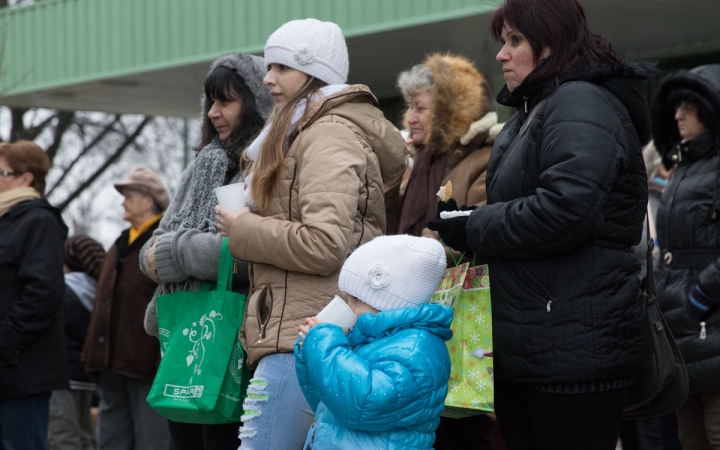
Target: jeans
[194,436]
[24,422]
[469,433]
[71,426]
[276,414]
[535,420]
[125,419]
[699,422]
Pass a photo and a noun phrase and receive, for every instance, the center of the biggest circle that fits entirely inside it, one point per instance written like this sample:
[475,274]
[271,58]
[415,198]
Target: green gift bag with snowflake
[202,376]
[470,388]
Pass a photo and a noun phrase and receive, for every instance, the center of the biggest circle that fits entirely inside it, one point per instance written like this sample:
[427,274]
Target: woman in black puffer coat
[564,207]
[686,128]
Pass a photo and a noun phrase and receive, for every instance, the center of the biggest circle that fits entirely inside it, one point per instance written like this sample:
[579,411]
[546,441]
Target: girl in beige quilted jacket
[315,193]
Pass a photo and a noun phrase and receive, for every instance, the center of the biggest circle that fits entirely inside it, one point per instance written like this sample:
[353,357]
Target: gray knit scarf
[197,210]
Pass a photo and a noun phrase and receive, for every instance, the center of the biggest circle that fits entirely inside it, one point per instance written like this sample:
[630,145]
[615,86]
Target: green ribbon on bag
[202,377]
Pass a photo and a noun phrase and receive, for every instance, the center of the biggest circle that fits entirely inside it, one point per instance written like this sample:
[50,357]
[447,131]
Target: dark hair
[227,85]
[559,25]
[26,156]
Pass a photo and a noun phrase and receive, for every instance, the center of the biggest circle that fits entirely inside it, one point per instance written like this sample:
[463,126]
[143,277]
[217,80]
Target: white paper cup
[231,197]
[337,312]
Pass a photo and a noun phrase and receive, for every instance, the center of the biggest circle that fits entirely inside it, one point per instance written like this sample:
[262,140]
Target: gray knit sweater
[185,255]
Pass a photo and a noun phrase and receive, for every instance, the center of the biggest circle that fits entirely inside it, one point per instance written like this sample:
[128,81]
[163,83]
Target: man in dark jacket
[686,128]
[117,346]
[32,345]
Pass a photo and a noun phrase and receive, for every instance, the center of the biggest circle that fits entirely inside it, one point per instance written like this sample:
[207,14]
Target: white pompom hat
[312,47]
[392,272]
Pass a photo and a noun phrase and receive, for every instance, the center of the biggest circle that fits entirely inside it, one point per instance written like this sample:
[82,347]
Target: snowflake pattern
[474,337]
[473,308]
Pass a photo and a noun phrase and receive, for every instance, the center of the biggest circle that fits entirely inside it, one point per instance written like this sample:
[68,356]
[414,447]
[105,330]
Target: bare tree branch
[65,119]
[109,127]
[18,124]
[31,133]
[110,161]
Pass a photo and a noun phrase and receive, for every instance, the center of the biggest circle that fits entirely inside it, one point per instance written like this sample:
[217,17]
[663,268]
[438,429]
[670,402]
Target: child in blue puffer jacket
[383,386]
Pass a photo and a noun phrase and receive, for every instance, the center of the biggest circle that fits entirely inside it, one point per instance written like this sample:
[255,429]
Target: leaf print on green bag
[198,335]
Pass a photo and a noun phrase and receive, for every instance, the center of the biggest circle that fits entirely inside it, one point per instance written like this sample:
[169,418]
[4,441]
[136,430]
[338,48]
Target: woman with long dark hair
[317,193]
[185,249]
[567,193]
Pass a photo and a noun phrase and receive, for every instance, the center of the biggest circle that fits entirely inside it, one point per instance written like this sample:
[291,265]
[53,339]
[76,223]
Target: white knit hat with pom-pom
[392,272]
[313,47]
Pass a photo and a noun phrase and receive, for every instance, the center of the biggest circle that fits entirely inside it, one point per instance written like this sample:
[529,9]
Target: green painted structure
[150,56]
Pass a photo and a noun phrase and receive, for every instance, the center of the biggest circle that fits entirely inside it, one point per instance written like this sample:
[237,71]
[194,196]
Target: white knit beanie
[392,272]
[312,47]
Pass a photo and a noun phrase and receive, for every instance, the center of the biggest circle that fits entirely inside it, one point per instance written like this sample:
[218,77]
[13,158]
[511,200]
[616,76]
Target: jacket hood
[435,319]
[624,79]
[252,70]
[41,203]
[461,96]
[700,86]
[357,104]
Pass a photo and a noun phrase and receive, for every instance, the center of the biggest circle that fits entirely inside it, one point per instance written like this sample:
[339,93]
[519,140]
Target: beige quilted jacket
[328,199]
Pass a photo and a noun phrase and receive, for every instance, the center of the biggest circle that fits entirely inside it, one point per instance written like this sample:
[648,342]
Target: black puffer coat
[562,214]
[32,342]
[688,222]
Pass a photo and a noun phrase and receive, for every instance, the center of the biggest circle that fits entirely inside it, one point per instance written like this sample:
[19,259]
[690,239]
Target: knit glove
[699,304]
[452,231]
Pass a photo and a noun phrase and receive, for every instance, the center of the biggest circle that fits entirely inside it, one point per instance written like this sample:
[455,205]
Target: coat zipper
[263,325]
[703,332]
[549,305]
[526,100]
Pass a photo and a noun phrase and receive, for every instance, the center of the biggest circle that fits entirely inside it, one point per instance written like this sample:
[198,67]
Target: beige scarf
[14,196]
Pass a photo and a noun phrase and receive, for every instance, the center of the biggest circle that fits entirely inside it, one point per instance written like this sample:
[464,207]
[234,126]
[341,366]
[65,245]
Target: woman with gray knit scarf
[185,249]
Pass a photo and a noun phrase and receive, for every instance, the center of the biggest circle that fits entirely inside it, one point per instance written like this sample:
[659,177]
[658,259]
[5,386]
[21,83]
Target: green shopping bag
[470,388]
[202,376]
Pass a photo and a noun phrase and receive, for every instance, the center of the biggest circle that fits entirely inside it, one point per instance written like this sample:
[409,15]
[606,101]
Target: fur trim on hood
[252,70]
[700,86]
[461,96]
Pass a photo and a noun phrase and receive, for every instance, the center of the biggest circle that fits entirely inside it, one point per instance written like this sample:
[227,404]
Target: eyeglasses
[6,173]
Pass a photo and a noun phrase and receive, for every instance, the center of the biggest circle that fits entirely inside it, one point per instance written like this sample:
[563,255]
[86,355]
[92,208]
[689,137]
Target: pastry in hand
[445,192]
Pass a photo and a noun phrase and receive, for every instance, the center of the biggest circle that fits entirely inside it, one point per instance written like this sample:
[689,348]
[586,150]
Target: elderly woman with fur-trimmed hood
[447,98]
[450,117]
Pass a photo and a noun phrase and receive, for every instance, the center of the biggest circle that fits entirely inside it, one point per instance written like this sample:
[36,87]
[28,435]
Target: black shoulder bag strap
[649,272]
[522,132]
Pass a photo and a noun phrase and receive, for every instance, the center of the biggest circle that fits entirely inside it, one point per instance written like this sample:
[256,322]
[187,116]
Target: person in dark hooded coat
[566,202]
[686,129]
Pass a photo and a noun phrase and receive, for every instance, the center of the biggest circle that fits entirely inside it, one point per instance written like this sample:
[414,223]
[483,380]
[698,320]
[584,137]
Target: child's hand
[310,323]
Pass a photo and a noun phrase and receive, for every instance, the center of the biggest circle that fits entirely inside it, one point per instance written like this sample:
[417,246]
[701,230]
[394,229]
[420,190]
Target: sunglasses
[6,173]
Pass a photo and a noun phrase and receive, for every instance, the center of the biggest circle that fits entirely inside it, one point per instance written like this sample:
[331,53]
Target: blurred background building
[151,56]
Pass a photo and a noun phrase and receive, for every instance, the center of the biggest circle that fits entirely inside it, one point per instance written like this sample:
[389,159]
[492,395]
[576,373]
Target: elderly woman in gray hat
[185,249]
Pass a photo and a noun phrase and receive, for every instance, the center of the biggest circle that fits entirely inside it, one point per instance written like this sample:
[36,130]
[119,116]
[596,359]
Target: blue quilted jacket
[381,387]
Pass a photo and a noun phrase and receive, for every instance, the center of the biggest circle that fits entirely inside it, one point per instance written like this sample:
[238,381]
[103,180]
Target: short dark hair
[226,85]
[559,25]
[26,156]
